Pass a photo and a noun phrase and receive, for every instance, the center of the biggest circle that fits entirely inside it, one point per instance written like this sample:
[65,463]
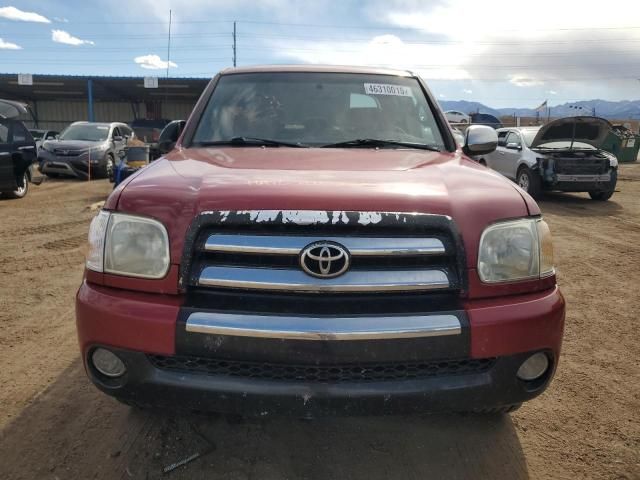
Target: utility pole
[234,43]
[169,46]
[166,87]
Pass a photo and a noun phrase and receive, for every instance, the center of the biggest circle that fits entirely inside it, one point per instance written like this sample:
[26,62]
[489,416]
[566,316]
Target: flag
[542,107]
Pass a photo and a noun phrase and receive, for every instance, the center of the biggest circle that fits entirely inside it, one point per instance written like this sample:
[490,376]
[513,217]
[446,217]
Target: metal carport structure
[57,100]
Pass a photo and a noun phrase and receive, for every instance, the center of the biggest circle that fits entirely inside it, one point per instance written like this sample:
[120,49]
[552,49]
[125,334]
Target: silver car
[564,155]
[85,150]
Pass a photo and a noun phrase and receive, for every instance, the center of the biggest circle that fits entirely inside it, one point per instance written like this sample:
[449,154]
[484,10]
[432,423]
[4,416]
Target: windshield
[528,135]
[37,134]
[318,109]
[88,132]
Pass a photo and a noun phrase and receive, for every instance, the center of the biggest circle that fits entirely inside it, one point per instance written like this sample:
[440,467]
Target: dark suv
[18,160]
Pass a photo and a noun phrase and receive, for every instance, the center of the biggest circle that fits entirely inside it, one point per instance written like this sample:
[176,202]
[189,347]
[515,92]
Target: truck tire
[604,195]
[22,190]
[529,181]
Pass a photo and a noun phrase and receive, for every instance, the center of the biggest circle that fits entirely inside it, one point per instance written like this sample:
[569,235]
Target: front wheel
[529,181]
[22,189]
[106,170]
[603,195]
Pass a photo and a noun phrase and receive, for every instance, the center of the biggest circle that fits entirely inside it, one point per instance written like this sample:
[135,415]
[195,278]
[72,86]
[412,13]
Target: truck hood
[187,182]
[590,130]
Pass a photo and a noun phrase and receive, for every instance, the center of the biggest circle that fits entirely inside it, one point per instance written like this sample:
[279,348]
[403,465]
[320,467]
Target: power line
[322,25]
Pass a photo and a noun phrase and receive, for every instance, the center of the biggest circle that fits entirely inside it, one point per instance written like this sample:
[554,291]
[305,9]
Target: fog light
[533,367]
[107,363]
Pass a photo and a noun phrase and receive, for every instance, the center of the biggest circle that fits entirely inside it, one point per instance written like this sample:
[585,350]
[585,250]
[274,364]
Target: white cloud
[153,62]
[467,91]
[61,19]
[496,17]
[552,92]
[524,81]
[382,50]
[577,43]
[442,95]
[60,36]
[12,13]
[9,46]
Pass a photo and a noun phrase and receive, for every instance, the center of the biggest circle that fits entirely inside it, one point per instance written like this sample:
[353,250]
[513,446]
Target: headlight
[97,152]
[128,245]
[515,250]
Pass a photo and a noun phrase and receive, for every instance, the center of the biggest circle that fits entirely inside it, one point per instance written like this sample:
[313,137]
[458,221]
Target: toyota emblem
[324,259]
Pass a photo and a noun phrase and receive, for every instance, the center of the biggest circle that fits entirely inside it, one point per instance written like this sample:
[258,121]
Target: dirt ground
[55,425]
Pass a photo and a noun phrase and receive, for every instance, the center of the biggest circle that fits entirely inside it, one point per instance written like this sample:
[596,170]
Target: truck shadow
[74,431]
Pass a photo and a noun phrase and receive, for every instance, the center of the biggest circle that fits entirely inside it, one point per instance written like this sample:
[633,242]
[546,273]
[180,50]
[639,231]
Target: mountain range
[622,110]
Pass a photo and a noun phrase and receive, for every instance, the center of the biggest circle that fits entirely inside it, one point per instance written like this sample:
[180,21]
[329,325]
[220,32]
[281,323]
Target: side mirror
[117,138]
[165,146]
[480,140]
[514,146]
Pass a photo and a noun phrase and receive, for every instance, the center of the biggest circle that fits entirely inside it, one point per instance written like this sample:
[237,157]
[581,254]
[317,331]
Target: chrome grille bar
[297,280]
[292,245]
[323,328]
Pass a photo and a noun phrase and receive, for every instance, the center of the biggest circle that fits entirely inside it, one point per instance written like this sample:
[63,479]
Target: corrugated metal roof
[105,88]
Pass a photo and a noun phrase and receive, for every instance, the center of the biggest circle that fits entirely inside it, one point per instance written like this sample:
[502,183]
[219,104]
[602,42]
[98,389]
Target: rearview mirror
[480,140]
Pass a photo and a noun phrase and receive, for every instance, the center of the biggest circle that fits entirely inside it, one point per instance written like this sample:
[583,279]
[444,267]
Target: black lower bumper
[579,186]
[146,383]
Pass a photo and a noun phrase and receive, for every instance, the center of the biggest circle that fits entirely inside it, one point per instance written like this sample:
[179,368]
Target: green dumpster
[623,143]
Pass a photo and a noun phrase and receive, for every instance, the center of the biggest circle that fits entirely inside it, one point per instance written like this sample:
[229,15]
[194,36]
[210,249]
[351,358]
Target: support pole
[90,100]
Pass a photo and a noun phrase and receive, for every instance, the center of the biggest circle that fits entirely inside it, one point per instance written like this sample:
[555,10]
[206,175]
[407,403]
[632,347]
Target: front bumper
[76,166]
[579,183]
[140,327]
[146,383]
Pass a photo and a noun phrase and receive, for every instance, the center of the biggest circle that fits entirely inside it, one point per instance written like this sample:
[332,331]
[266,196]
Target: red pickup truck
[317,243]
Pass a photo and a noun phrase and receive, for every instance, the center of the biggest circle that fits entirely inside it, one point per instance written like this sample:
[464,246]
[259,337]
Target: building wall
[56,115]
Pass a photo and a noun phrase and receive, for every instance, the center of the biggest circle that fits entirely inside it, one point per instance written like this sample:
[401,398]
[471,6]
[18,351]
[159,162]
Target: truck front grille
[61,152]
[260,252]
[353,372]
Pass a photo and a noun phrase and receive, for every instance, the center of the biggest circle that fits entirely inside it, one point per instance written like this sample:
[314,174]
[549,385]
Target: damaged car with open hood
[564,155]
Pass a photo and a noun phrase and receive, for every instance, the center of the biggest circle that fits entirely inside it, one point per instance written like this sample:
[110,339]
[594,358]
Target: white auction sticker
[387,89]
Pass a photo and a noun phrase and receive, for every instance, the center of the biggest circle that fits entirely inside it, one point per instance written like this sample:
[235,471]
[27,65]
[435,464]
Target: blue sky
[501,53]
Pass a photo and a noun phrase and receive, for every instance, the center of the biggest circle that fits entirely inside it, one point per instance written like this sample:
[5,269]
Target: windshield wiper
[251,141]
[377,142]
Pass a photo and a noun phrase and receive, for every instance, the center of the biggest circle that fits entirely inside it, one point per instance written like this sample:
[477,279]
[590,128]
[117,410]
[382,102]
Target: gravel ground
[55,425]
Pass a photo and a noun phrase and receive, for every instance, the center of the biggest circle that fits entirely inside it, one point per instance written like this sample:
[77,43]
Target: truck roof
[317,69]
